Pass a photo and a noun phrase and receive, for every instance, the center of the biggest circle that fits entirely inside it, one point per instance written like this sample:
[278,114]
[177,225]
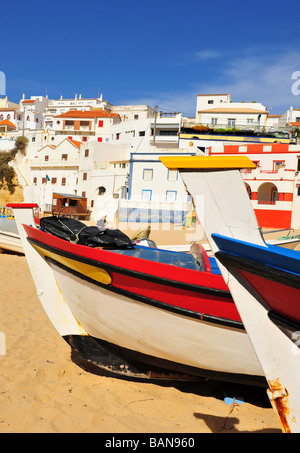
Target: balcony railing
[55,163]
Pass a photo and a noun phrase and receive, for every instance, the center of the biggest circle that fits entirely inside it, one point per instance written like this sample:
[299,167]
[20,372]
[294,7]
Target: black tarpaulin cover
[77,232]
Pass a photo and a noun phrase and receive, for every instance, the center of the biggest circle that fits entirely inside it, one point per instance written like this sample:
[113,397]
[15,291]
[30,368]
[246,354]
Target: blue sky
[160,53]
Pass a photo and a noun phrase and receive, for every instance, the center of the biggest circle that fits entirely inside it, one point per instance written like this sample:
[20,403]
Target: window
[274,194]
[63,181]
[231,122]
[86,153]
[142,133]
[171,195]
[277,164]
[210,101]
[298,191]
[168,132]
[214,121]
[172,175]
[69,123]
[64,157]
[147,174]
[83,194]
[100,124]
[53,180]
[84,139]
[46,158]
[84,176]
[1,117]
[249,121]
[146,195]
[84,123]
[99,139]
[8,116]
[136,117]
[34,180]
[298,119]
[118,136]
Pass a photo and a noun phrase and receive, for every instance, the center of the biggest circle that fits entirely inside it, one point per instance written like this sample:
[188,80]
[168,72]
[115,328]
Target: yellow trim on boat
[93,272]
[206,162]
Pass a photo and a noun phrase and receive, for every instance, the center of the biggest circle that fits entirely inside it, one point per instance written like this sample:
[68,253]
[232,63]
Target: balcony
[54,163]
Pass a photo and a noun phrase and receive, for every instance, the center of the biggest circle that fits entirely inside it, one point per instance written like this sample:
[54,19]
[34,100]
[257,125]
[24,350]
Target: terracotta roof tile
[75,142]
[7,123]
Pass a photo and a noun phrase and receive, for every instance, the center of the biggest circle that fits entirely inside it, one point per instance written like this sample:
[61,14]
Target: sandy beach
[44,388]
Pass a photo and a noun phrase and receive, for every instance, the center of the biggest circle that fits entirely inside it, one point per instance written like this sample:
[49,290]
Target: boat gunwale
[203,317]
[126,262]
[135,274]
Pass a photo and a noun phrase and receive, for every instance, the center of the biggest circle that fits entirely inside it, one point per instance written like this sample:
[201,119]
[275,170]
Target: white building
[290,118]
[52,169]
[274,186]
[155,194]
[30,116]
[59,106]
[96,171]
[142,127]
[103,177]
[219,111]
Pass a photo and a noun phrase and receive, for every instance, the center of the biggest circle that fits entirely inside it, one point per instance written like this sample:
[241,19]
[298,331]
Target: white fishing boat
[264,279]
[137,311]
[9,235]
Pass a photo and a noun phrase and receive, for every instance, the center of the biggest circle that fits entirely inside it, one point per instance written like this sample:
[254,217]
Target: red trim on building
[273,218]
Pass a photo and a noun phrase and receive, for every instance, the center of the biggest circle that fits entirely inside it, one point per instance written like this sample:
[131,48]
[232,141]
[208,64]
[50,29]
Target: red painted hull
[195,292]
[281,298]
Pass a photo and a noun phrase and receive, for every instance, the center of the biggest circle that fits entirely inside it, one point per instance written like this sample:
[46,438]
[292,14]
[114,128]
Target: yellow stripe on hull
[206,162]
[93,272]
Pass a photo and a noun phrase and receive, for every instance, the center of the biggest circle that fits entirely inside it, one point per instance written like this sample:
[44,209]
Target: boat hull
[11,242]
[150,319]
[148,331]
[9,236]
[130,315]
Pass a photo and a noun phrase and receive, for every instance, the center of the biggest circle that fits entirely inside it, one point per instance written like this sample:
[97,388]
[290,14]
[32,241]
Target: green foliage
[7,173]
[230,130]
[218,130]
[297,132]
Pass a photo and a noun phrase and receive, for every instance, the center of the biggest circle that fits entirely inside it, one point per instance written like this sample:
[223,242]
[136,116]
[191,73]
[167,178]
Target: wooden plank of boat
[263,279]
[151,316]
